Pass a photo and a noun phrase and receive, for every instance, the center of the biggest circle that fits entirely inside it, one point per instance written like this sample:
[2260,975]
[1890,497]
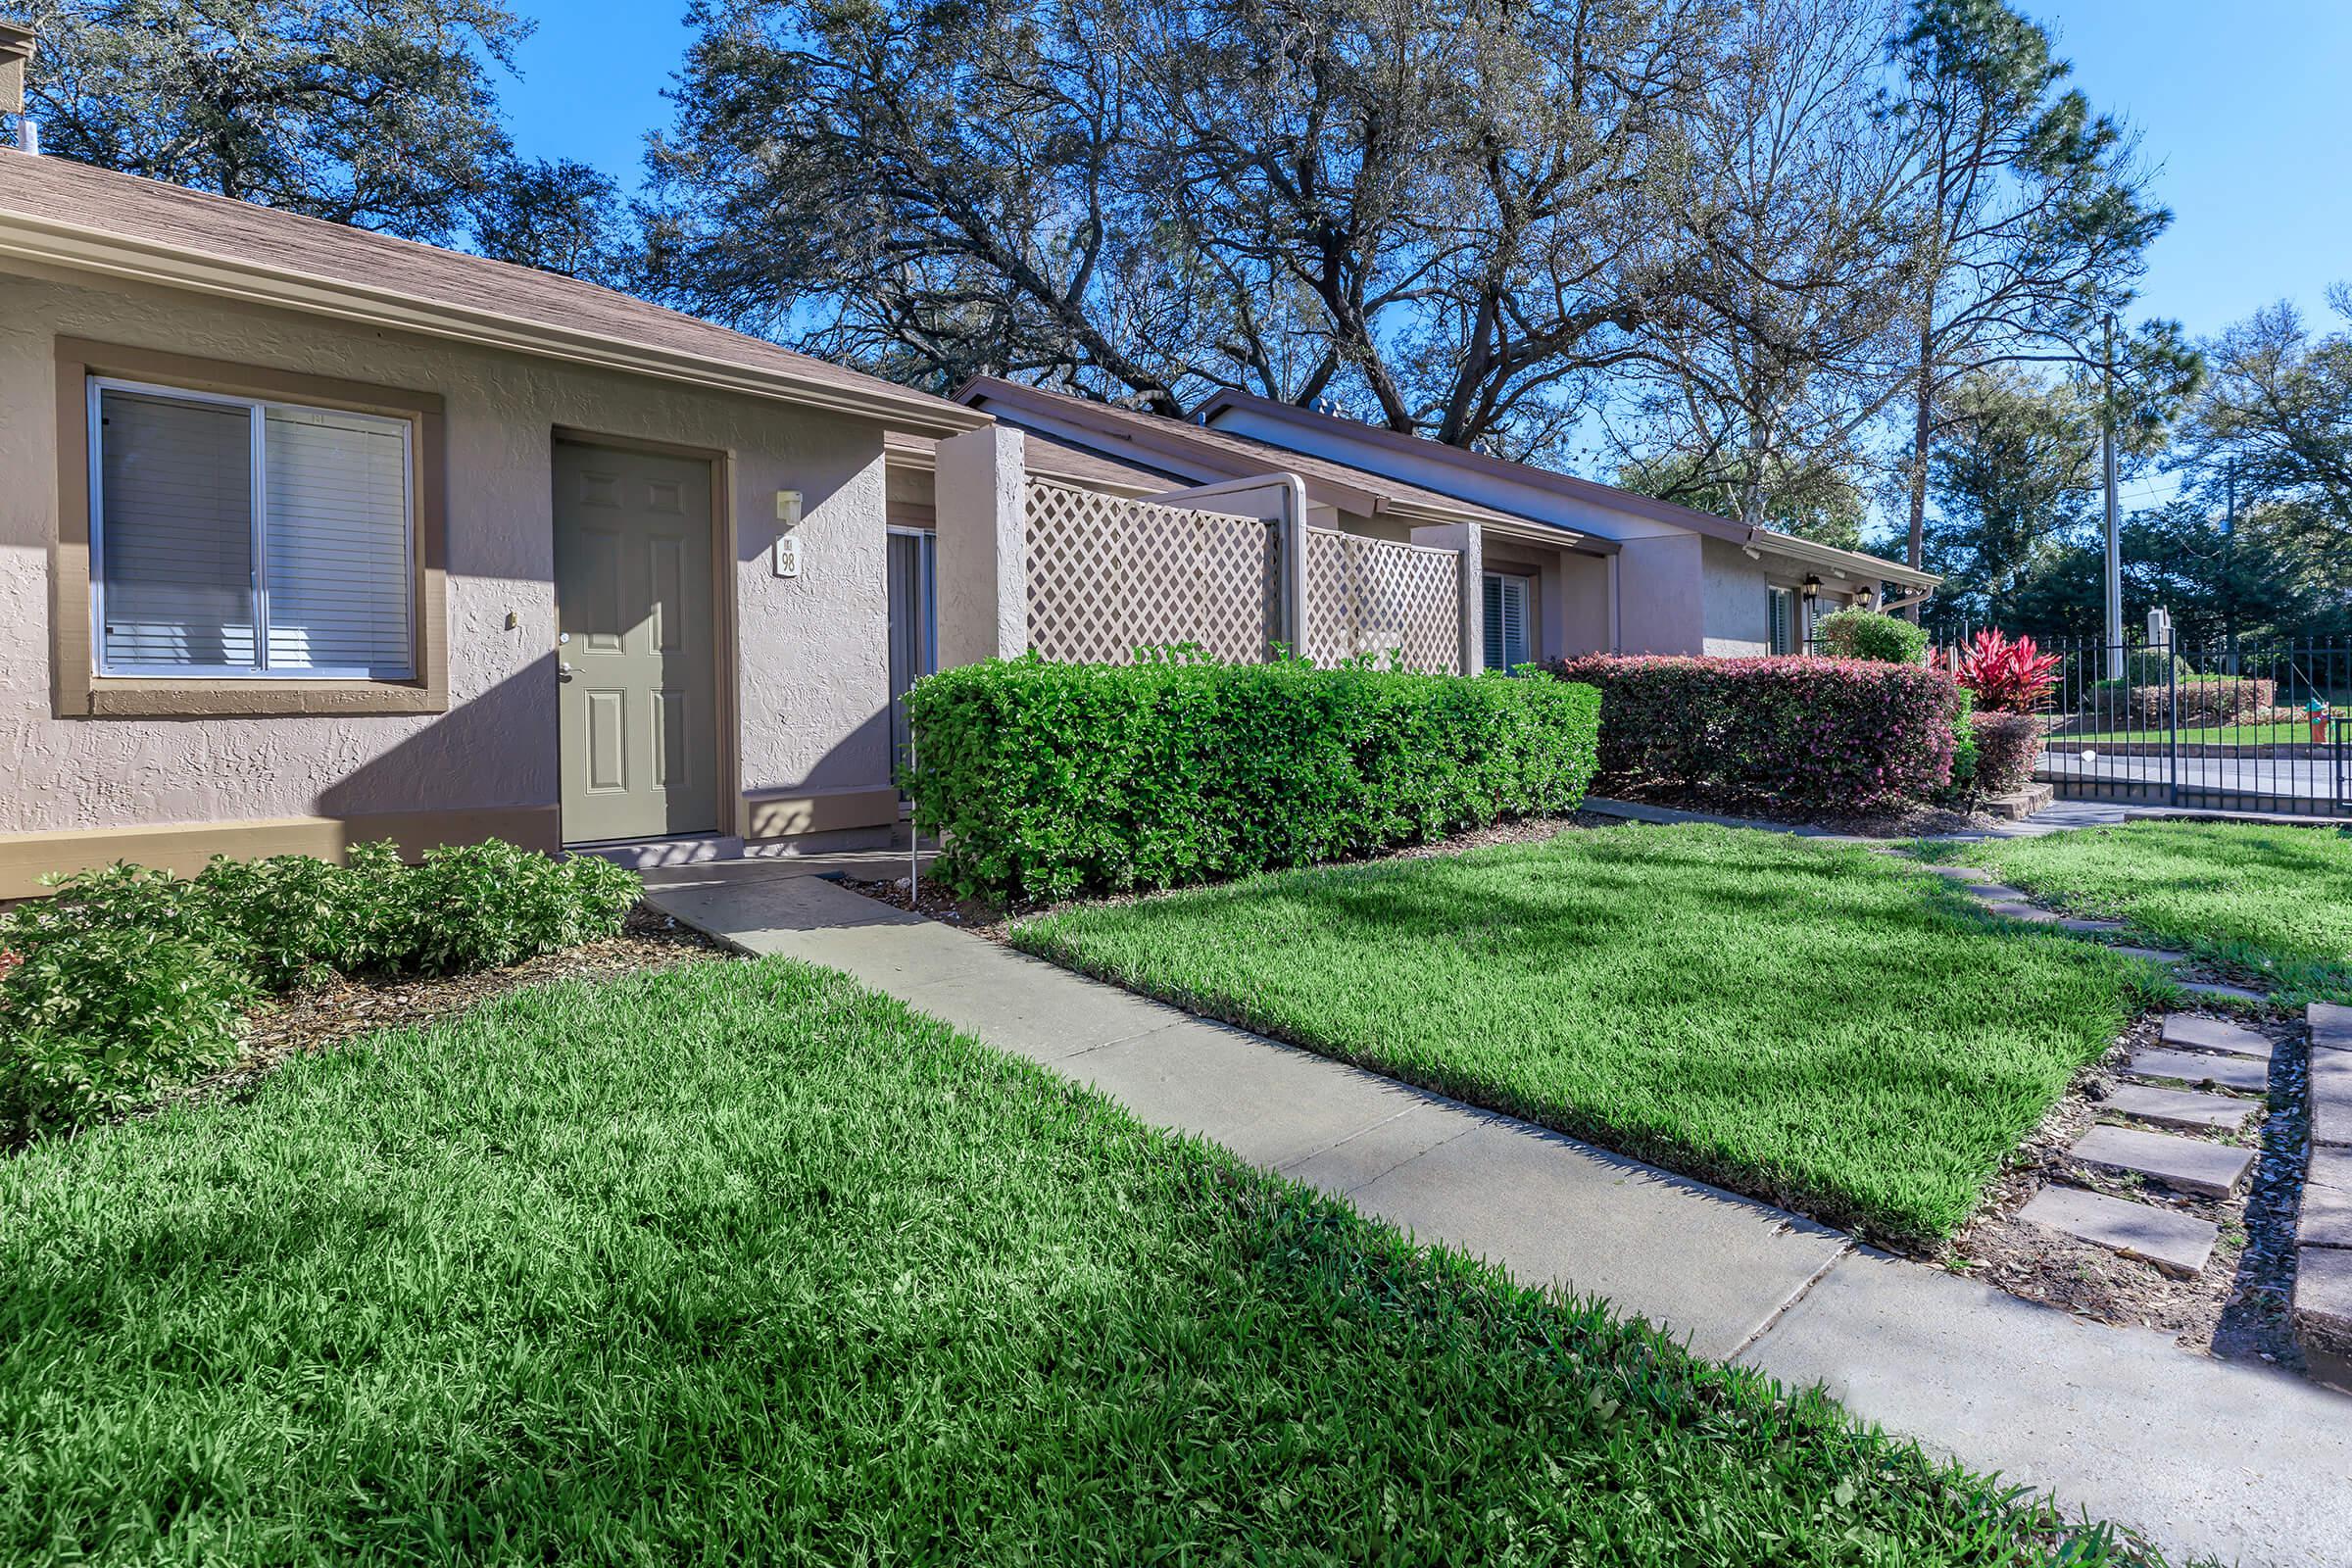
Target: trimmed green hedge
[1047,781]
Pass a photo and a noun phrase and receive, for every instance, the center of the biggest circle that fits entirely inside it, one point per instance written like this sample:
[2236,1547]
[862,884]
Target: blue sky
[2243,105]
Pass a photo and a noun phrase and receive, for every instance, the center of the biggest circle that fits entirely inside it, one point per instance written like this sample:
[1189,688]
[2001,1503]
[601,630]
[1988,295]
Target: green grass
[2264,903]
[740,1262]
[1805,1021]
[2212,735]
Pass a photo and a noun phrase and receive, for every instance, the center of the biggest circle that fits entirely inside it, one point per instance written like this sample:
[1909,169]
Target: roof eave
[27,237]
[1848,563]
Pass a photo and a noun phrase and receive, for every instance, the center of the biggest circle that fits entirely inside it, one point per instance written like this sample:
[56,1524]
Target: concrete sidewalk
[2206,1458]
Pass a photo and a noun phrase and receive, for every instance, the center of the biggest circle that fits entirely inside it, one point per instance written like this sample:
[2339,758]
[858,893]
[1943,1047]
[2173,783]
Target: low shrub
[98,1018]
[1820,734]
[1048,779]
[487,906]
[2007,746]
[127,979]
[1869,634]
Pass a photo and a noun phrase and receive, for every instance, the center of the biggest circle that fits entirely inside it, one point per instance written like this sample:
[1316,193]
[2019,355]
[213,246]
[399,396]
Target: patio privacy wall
[1103,576]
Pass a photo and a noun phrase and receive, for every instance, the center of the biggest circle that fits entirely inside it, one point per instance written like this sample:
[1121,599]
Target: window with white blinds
[1506,620]
[1781,620]
[239,537]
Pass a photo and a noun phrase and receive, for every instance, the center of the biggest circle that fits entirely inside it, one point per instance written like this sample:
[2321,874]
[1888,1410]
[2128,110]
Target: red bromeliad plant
[2008,677]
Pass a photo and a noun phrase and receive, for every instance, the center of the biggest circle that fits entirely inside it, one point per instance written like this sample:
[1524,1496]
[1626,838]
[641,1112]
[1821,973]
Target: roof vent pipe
[16,56]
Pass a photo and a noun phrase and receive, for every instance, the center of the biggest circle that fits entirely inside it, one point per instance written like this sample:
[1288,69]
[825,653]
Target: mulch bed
[2237,1307]
[1905,823]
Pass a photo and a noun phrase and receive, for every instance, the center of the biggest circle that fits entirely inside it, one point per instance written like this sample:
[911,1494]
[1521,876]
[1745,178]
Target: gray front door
[636,711]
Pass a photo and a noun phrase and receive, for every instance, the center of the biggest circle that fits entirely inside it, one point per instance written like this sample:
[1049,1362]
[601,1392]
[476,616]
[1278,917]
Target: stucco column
[1468,540]
[978,498]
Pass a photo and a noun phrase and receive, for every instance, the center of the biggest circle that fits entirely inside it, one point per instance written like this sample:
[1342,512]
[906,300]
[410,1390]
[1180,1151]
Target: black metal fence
[2248,728]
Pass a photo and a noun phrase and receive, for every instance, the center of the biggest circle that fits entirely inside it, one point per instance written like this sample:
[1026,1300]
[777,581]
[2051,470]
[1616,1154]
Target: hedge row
[1824,734]
[1045,781]
[125,980]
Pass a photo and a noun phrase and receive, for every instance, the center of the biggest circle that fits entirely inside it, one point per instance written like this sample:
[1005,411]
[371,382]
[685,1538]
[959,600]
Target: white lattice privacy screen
[1108,575]
[1372,596]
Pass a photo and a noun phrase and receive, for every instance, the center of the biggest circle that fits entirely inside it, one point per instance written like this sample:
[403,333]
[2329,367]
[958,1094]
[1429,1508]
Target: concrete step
[2177,1244]
[2196,1033]
[2248,1073]
[2330,1026]
[2184,1109]
[2322,1310]
[2184,1164]
[654,855]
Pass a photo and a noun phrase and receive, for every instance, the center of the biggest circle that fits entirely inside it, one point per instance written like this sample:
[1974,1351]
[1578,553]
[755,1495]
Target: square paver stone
[2177,1244]
[2030,913]
[2179,1108]
[2322,1312]
[2215,987]
[2327,1217]
[2331,1097]
[2331,1167]
[2200,1067]
[2199,1033]
[1998,893]
[2208,1170]
[2330,1026]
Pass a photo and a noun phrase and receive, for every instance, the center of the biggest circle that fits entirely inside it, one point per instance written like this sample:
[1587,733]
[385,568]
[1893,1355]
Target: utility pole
[2115,548]
[2229,543]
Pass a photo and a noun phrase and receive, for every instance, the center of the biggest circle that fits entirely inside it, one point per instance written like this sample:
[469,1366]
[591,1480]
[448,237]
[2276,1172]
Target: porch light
[1812,588]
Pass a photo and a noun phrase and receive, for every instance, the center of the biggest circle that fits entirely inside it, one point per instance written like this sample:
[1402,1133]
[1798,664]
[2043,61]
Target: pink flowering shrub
[1822,733]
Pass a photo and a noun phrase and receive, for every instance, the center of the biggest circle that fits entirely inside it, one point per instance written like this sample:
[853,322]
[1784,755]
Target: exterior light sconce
[1812,588]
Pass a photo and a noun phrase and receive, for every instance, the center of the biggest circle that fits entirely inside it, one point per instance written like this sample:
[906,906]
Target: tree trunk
[1923,430]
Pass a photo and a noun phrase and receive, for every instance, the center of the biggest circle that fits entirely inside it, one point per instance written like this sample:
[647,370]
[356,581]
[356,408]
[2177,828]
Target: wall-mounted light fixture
[1812,588]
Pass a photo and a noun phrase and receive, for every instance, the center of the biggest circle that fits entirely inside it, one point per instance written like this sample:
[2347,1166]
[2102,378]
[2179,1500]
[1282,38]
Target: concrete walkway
[2206,1458]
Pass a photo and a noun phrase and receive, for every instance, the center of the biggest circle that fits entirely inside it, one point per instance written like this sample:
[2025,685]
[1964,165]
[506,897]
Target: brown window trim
[78,690]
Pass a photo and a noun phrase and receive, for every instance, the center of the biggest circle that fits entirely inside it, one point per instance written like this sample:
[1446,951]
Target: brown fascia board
[1568,484]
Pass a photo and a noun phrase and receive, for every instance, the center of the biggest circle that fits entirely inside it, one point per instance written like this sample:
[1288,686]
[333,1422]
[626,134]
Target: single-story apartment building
[313,536]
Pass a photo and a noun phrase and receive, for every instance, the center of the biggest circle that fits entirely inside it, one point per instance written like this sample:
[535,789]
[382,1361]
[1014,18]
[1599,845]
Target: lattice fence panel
[1108,575]
[1374,596]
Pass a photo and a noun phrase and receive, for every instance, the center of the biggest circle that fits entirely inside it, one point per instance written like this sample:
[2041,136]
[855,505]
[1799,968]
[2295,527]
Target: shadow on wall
[493,754]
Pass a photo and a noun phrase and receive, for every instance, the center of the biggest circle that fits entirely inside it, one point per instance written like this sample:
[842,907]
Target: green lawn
[2269,903]
[739,1262]
[2298,734]
[1805,1021]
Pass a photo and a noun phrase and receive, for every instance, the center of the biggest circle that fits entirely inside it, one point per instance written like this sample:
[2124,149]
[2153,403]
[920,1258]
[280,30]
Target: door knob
[563,669]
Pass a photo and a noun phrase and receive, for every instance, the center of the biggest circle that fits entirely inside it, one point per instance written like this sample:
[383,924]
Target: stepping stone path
[2249,1073]
[2184,1164]
[2152,954]
[2208,987]
[2177,1244]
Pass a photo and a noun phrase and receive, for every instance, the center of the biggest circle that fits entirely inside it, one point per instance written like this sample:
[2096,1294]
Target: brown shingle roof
[1158,440]
[66,213]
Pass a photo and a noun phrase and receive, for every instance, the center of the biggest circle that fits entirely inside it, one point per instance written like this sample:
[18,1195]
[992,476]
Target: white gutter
[26,237]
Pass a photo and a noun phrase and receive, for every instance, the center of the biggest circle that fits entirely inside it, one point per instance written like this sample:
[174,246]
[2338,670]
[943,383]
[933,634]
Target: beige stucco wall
[811,682]
[1659,587]
[1571,595]
[1737,614]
